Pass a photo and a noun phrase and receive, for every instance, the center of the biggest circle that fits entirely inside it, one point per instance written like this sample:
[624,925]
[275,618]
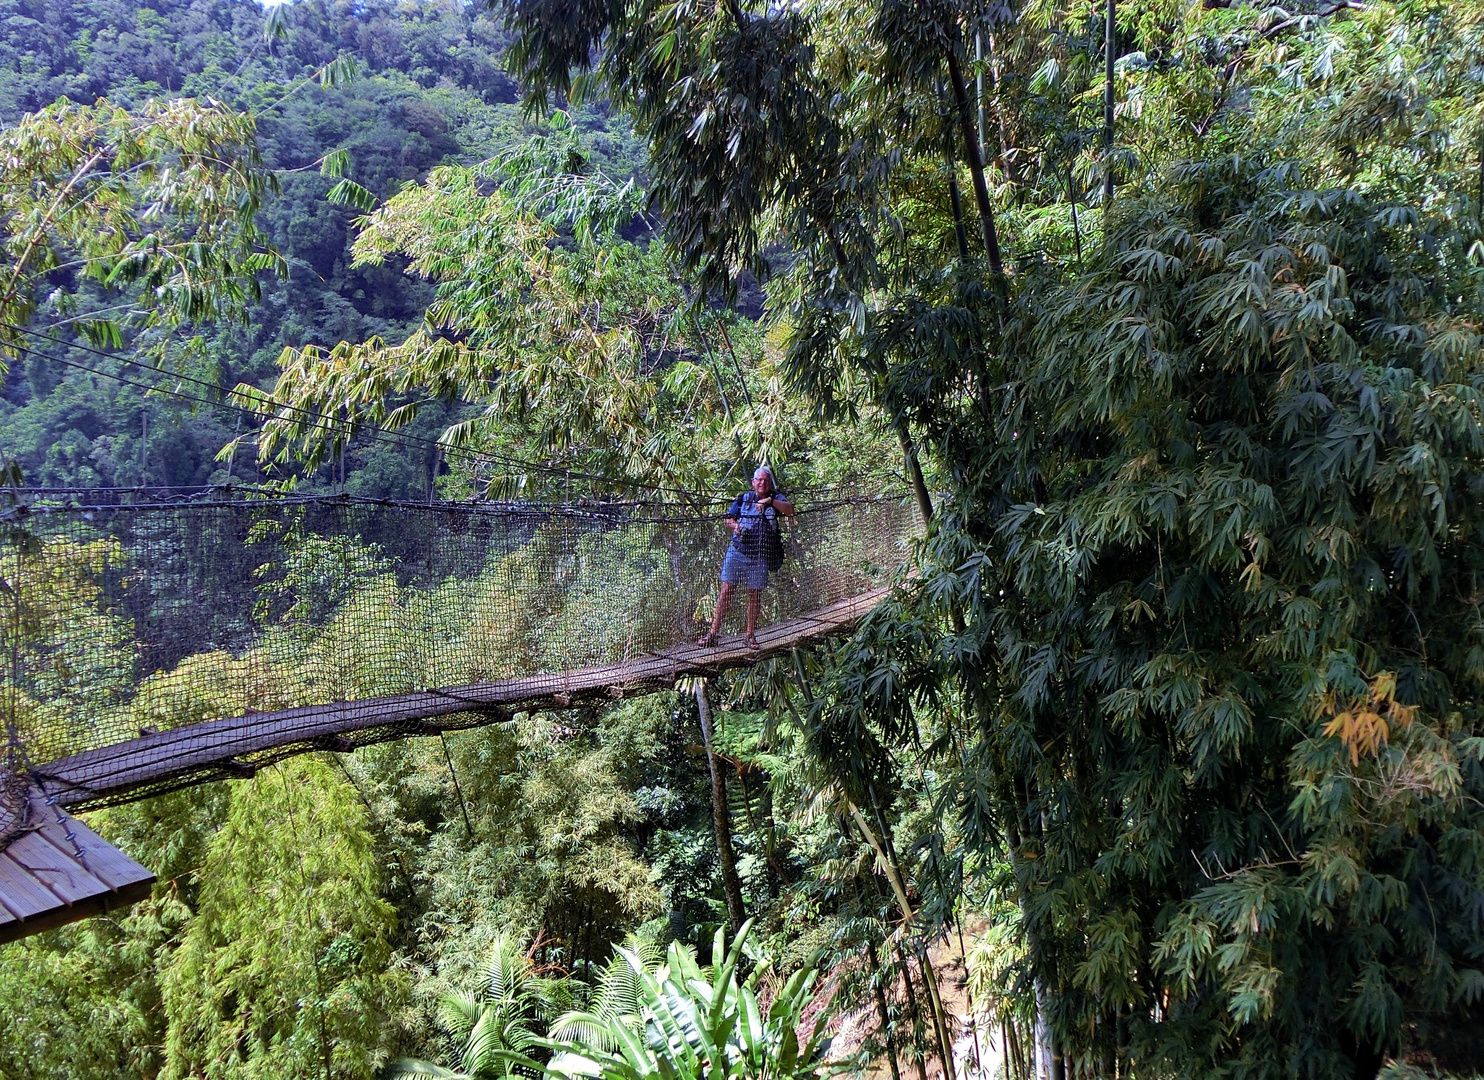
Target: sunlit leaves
[158,204]
[577,344]
[283,970]
[689,1021]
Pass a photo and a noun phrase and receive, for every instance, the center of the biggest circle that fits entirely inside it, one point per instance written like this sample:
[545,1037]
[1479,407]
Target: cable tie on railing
[65,820]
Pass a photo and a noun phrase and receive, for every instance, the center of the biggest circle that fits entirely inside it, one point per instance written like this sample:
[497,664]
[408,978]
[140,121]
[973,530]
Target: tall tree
[721,812]
[283,970]
[1197,613]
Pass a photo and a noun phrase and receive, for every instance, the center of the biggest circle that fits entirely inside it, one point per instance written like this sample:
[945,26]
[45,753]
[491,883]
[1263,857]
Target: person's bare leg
[754,607]
[722,602]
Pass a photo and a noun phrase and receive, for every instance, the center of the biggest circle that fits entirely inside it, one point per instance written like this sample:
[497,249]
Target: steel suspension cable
[324,421]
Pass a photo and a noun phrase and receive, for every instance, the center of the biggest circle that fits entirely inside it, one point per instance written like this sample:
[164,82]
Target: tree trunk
[891,1043]
[915,1014]
[1110,42]
[1481,187]
[963,953]
[956,201]
[1015,1063]
[721,816]
[914,473]
[976,163]
[979,87]
[940,1015]
[955,198]
[1076,227]
[1048,1061]
[1007,159]
[898,885]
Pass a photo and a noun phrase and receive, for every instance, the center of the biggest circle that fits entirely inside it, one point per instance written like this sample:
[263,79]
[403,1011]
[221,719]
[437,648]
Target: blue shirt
[749,538]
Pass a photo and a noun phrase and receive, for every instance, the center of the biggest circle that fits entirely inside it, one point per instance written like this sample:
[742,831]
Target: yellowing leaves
[1365,725]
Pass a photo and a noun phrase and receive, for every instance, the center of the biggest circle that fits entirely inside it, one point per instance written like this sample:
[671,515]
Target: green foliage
[573,822]
[501,1021]
[1209,458]
[508,302]
[572,339]
[283,970]
[428,87]
[84,1001]
[682,1020]
[1186,688]
[69,657]
[161,201]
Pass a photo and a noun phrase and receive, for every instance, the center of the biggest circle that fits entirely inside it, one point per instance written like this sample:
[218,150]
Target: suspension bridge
[153,642]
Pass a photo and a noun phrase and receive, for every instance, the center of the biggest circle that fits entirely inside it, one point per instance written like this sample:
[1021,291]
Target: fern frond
[460,1014]
[416,1069]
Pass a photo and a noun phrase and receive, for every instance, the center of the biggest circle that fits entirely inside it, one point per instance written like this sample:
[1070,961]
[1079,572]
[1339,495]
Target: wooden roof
[58,871]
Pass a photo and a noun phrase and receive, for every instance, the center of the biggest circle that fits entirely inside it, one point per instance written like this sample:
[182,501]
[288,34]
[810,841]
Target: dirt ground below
[977,1054]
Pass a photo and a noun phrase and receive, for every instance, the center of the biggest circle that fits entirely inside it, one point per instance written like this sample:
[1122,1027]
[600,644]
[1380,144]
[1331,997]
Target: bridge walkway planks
[49,878]
[215,749]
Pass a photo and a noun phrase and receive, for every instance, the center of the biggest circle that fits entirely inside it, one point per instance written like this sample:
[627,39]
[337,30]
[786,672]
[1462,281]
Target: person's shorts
[740,569]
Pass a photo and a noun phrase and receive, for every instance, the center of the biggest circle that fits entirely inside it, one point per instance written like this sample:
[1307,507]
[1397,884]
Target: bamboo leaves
[1364,726]
[158,203]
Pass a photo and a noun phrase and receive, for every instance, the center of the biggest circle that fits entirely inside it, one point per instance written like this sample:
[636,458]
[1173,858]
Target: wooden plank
[60,914]
[20,892]
[66,878]
[208,748]
[44,883]
[104,861]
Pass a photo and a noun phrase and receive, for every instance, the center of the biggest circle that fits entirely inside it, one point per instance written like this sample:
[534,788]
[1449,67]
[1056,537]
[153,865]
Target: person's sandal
[752,641]
[708,638]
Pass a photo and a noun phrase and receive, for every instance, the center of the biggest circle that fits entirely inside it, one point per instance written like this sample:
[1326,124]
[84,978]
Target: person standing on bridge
[752,518]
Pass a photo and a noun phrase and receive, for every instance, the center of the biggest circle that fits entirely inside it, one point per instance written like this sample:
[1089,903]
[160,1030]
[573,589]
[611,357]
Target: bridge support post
[720,814]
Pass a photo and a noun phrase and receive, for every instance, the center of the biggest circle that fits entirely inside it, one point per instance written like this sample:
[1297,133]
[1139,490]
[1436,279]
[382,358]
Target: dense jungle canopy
[1168,314]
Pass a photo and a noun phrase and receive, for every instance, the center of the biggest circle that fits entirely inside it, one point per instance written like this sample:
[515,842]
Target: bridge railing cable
[359,429]
[129,617]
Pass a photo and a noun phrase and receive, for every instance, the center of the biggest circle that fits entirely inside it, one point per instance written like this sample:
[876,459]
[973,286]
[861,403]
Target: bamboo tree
[917,1024]
[163,197]
[879,992]
[720,812]
[1110,40]
[975,160]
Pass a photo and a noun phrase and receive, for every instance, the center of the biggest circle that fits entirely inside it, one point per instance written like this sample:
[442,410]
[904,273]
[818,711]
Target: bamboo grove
[1164,757]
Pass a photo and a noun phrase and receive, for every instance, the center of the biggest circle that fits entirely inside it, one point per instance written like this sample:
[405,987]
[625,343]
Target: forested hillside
[430,88]
[344,910]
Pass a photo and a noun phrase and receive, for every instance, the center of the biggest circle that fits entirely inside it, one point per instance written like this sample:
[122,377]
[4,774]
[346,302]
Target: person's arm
[734,515]
[781,504]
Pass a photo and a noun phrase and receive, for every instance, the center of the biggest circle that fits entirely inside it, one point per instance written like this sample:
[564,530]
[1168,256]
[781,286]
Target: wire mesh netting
[129,617]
